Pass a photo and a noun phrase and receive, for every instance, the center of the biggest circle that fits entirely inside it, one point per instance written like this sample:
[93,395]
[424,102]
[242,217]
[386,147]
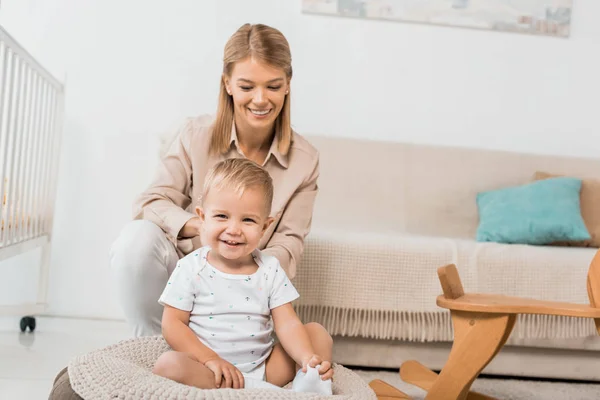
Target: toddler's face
[233,225]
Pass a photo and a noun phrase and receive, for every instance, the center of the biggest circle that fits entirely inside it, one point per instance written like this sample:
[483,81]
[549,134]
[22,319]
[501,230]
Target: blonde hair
[269,46]
[239,174]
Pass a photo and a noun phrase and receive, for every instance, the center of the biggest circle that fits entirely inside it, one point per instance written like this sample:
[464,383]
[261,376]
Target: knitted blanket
[123,371]
[385,286]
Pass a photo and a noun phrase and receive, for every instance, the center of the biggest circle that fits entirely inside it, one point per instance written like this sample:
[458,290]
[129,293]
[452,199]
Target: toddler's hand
[226,375]
[325,366]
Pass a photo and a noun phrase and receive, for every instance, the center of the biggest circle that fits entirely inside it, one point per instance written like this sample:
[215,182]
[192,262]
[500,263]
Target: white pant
[142,260]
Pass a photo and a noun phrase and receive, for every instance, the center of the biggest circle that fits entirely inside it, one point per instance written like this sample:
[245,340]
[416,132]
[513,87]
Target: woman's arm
[167,197]
[177,333]
[287,242]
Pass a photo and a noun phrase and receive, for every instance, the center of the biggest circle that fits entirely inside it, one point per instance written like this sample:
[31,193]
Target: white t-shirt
[230,313]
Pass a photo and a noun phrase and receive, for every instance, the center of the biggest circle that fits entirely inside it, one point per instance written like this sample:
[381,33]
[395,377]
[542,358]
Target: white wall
[135,68]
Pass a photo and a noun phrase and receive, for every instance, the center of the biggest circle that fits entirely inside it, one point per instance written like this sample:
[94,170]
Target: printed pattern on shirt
[230,313]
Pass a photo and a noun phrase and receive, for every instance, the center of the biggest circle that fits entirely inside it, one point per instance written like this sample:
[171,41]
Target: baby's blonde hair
[239,174]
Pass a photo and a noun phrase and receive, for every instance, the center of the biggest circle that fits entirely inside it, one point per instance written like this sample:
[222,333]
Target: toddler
[223,301]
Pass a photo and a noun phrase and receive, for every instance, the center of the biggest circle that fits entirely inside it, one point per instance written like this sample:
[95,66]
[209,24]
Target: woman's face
[258,91]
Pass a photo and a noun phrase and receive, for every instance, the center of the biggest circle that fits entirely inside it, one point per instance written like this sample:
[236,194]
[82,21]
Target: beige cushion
[590,208]
[123,371]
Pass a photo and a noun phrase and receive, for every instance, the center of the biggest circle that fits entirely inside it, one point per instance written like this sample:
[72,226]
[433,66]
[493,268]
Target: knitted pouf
[124,371]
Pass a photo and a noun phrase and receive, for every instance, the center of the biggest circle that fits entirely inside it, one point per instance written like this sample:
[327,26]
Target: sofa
[389,214]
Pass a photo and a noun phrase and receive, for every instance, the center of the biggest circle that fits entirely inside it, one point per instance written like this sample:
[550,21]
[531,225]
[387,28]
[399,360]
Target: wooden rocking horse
[482,324]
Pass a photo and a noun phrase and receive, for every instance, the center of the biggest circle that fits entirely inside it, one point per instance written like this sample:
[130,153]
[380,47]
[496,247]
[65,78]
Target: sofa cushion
[541,212]
[590,208]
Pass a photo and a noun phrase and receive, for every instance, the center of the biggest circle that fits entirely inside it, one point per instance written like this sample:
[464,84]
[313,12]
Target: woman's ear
[226,83]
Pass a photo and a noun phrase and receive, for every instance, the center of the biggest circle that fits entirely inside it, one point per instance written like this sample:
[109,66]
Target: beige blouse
[172,196]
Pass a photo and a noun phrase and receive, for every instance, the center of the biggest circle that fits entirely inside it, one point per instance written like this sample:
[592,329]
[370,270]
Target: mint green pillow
[541,212]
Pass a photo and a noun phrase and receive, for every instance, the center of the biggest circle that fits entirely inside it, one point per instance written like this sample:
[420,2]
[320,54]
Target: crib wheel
[27,322]
[31,324]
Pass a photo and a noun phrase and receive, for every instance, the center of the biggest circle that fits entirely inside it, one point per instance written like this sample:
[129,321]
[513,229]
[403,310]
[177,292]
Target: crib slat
[14,157]
[36,166]
[21,217]
[43,136]
[17,155]
[8,126]
[46,211]
[28,156]
[36,101]
[57,139]
[5,55]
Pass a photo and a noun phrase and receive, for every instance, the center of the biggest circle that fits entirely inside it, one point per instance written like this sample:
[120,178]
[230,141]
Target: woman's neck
[254,143]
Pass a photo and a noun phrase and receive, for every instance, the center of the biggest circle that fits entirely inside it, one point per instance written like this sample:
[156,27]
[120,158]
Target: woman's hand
[226,375]
[324,370]
[191,228]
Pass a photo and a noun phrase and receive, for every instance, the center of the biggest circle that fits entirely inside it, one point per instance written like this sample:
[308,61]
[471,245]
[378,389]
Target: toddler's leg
[184,368]
[281,368]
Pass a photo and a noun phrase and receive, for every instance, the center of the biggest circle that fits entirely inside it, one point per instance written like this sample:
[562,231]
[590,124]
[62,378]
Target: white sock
[311,382]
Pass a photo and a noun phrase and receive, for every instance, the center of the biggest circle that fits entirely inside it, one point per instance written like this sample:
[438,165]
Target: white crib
[31,109]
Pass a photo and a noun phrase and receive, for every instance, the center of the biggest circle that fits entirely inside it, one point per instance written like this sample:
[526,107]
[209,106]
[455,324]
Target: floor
[504,389]
[29,362]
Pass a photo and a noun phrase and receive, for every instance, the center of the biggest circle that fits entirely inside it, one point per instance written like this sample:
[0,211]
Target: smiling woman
[259,94]
[254,92]
[253,122]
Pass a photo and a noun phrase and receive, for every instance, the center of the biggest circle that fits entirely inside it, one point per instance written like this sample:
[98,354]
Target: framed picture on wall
[540,17]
